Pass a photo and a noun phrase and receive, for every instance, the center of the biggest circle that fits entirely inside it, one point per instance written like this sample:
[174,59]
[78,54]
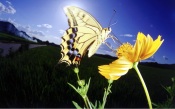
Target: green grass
[34,78]
[9,38]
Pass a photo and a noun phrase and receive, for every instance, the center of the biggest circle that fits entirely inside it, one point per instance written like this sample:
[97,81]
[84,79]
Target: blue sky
[46,20]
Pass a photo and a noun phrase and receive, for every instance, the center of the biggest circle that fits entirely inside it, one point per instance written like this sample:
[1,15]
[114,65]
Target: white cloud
[38,25]
[45,25]
[31,32]
[165,58]
[2,7]
[7,9]
[57,37]
[27,29]
[10,10]
[57,40]
[9,2]
[127,35]
[152,58]
[61,31]
[35,33]
[13,22]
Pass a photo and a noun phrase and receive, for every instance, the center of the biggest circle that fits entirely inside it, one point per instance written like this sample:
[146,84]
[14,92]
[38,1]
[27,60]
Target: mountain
[106,56]
[9,28]
[150,64]
[158,65]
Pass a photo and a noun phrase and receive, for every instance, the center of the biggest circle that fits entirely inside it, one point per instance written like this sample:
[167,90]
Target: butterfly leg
[115,39]
[110,47]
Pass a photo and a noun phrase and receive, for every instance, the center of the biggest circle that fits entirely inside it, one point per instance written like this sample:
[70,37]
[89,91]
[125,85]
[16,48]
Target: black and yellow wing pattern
[84,33]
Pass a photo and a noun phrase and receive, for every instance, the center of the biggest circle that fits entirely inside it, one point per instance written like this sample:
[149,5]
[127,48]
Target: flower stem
[143,84]
[76,70]
[83,89]
[78,77]
[107,91]
[88,102]
[85,101]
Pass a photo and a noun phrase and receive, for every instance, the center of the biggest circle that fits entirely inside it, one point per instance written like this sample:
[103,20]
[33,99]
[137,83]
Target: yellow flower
[116,69]
[144,48]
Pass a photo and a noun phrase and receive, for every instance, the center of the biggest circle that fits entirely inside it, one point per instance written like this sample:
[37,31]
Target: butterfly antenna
[112,18]
[113,24]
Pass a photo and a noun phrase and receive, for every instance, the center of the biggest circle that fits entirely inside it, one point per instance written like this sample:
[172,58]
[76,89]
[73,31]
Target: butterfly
[84,34]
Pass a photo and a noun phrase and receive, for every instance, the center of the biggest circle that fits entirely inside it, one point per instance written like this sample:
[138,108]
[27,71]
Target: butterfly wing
[79,17]
[100,39]
[82,33]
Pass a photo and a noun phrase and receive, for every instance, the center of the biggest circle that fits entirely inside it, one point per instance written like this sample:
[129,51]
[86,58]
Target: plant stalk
[85,101]
[143,84]
[107,91]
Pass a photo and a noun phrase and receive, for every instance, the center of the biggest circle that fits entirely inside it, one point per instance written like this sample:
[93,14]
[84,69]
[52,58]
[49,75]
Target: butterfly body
[84,34]
[100,39]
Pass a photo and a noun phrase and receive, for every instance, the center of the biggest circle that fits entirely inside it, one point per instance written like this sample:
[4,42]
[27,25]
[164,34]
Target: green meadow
[33,78]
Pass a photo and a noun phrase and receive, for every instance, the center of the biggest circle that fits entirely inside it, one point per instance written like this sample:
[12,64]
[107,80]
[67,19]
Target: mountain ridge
[9,28]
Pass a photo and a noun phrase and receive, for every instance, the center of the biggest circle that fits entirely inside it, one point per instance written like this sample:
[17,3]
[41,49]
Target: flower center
[124,50]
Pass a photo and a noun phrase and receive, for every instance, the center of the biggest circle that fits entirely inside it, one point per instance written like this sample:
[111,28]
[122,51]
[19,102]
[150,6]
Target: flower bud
[76,70]
[81,82]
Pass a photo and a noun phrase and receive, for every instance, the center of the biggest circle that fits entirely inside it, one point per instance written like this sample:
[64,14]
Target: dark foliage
[34,79]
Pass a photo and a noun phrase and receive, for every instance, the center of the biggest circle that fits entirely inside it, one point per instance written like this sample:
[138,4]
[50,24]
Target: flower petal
[116,69]
[154,46]
[146,46]
[138,47]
